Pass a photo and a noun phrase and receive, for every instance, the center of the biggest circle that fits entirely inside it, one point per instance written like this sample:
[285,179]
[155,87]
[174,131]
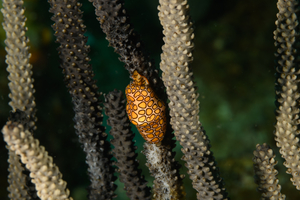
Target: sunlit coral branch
[266,174]
[181,90]
[287,86]
[17,59]
[45,175]
[20,85]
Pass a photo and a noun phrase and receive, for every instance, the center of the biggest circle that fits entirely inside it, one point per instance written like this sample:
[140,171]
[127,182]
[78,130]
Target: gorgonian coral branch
[73,51]
[101,176]
[167,183]
[124,151]
[266,174]
[20,85]
[17,59]
[119,32]
[16,179]
[287,86]
[45,175]
[181,90]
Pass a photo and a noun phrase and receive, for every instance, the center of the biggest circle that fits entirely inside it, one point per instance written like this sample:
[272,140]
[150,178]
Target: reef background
[234,71]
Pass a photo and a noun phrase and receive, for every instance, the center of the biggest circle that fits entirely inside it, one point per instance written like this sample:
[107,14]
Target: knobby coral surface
[73,51]
[124,149]
[177,77]
[44,173]
[287,82]
[266,174]
[82,114]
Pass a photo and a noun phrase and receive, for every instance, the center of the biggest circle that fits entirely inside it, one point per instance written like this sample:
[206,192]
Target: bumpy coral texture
[100,172]
[115,23]
[17,59]
[16,179]
[19,178]
[21,89]
[167,182]
[286,38]
[124,151]
[45,175]
[145,110]
[266,174]
[181,90]
[73,51]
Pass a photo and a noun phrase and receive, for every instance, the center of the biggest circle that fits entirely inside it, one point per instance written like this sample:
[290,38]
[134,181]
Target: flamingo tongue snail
[145,110]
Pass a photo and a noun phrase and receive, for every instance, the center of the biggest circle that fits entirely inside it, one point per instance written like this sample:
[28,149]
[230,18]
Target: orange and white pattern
[145,110]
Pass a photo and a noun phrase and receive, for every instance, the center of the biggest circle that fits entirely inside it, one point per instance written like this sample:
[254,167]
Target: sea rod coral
[178,51]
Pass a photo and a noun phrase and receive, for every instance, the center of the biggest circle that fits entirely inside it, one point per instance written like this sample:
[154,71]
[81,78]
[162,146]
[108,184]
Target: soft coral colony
[146,107]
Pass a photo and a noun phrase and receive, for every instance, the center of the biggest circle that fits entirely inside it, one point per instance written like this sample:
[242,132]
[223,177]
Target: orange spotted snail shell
[145,110]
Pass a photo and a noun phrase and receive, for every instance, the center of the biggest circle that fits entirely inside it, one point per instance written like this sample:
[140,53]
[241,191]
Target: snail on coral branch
[145,110]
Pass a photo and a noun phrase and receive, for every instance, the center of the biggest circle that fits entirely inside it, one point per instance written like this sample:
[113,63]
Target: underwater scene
[232,59]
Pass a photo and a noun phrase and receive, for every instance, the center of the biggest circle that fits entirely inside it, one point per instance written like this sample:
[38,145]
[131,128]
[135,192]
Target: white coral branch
[44,173]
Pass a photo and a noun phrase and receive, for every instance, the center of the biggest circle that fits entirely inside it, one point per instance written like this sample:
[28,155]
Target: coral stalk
[120,34]
[16,179]
[124,151]
[45,175]
[115,23]
[17,59]
[181,90]
[20,85]
[73,51]
[167,183]
[266,174]
[287,43]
